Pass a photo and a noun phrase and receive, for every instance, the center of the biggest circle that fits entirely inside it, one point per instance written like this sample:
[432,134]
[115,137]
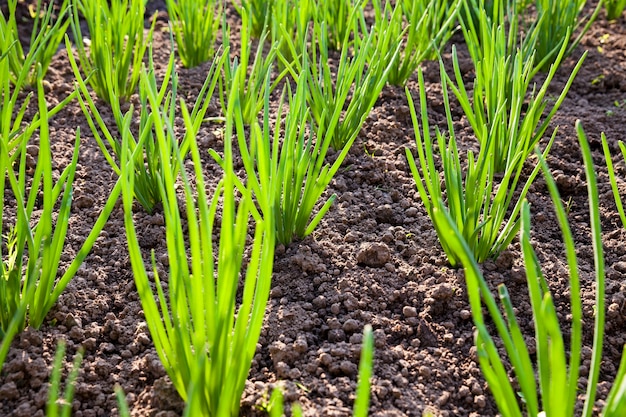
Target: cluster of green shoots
[206,315]
[549,386]
[49,25]
[38,204]
[614,8]
[508,116]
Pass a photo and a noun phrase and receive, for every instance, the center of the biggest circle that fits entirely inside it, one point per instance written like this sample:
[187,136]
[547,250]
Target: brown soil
[329,285]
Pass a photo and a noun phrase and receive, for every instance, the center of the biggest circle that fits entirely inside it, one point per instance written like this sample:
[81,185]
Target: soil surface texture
[374,258]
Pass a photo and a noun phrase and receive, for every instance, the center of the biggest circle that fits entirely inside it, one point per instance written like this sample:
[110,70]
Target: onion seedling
[34,243]
[505,108]
[425,25]
[117,45]
[349,95]
[613,178]
[149,167]
[14,137]
[337,16]
[285,169]
[614,8]
[200,323]
[290,26]
[56,406]
[551,386]
[362,400]
[259,12]
[477,203]
[250,81]
[195,24]
[48,31]
[559,21]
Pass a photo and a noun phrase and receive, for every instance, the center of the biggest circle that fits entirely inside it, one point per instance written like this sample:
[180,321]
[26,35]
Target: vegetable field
[205,216]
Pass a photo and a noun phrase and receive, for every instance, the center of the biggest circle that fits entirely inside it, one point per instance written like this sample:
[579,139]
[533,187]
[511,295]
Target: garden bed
[373,259]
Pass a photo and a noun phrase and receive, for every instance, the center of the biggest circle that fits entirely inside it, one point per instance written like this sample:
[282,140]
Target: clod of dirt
[373,254]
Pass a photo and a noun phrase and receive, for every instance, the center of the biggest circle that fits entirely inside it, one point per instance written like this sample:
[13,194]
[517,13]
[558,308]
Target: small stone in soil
[373,254]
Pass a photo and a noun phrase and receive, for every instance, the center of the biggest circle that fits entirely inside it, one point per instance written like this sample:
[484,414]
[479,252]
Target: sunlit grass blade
[616,400]
[361,403]
[122,404]
[598,260]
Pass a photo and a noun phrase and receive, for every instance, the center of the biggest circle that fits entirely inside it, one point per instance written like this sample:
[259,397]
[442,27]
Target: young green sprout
[204,336]
[478,204]
[614,8]
[286,168]
[506,108]
[423,28]
[149,166]
[250,82]
[613,177]
[116,45]
[559,21]
[34,242]
[62,406]
[47,33]
[195,24]
[341,107]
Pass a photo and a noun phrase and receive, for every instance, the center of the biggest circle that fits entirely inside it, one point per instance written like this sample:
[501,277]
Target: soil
[373,259]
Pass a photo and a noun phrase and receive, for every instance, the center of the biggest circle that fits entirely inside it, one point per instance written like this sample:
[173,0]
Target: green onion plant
[614,8]
[14,137]
[149,167]
[290,25]
[340,19]
[200,331]
[549,387]
[34,243]
[507,108]
[613,177]
[559,21]
[286,168]
[258,12]
[423,27]
[56,406]
[357,85]
[251,77]
[48,31]
[478,204]
[195,24]
[116,45]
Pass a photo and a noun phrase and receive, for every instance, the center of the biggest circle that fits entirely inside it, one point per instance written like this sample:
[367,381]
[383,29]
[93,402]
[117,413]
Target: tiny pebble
[409,311]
